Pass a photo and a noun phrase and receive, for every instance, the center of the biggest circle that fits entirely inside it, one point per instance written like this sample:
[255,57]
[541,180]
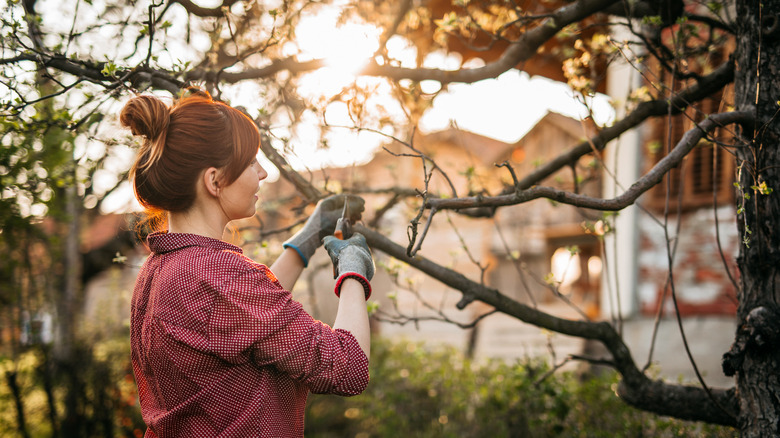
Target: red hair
[182,140]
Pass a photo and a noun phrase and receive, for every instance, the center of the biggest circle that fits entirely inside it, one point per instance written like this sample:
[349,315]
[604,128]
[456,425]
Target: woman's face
[239,199]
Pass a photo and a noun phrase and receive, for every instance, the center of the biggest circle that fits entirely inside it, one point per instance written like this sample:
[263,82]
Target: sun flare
[345,48]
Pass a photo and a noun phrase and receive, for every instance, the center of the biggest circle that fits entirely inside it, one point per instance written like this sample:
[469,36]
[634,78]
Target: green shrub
[422,392]
[415,391]
[105,404]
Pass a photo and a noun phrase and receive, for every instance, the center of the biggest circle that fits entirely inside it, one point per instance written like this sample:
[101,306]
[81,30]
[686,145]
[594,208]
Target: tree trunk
[46,370]
[755,358]
[71,274]
[10,378]
[66,350]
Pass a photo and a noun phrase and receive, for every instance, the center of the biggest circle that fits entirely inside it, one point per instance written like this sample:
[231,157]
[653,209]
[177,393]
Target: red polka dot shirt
[220,348]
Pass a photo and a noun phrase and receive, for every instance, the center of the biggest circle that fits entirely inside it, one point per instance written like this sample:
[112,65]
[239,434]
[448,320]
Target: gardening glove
[322,222]
[351,259]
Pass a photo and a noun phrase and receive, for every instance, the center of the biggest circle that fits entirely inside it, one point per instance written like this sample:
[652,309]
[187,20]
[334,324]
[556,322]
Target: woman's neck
[193,221]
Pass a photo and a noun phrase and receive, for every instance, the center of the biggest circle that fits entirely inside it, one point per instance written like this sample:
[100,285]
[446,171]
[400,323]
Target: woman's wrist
[353,281]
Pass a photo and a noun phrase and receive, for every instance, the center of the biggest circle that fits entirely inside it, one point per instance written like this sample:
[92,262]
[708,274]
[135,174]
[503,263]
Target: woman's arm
[255,315]
[355,268]
[353,314]
[300,248]
[287,268]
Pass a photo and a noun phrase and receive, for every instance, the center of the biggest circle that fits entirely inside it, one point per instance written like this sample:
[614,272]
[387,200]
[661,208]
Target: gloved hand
[322,222]
[351,259]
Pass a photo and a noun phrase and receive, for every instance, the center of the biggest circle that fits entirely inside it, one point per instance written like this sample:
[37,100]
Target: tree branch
[645,183]
[304,187]
[686,402]
[518,52]
[706,86]
[679,401]
[92,71]
[201,11]
[290,64]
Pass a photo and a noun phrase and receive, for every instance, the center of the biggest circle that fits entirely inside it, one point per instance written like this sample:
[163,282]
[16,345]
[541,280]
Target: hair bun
[147,116]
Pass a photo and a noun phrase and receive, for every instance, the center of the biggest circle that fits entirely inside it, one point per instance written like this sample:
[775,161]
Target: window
[575,265]
[707,171]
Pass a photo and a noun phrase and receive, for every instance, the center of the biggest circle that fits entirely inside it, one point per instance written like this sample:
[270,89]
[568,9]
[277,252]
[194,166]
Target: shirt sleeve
[254,319]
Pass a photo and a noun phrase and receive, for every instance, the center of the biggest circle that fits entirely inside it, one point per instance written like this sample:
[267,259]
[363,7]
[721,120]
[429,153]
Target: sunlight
[346,47]
[565,268]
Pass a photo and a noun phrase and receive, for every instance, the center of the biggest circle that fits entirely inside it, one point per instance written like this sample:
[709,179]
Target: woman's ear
[211,181]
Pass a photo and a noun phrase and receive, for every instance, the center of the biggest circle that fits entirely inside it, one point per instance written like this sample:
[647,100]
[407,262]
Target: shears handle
[343,224]
[342,229]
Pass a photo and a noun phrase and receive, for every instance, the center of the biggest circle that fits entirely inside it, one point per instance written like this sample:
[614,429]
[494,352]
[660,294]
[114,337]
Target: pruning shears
[343,228]
[344,223]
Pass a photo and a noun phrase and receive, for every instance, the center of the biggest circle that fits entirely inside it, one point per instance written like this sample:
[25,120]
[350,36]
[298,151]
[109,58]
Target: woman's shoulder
[225,260]
[227,264]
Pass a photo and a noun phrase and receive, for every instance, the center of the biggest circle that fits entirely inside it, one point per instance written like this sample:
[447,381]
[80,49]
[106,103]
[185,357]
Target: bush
[422,392]
[103,404]
[414,392]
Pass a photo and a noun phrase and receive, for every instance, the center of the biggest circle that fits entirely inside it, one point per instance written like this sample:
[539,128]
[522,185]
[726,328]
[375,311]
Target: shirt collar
[162,242]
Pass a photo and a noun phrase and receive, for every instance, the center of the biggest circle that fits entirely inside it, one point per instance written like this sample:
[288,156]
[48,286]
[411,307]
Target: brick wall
[701,282]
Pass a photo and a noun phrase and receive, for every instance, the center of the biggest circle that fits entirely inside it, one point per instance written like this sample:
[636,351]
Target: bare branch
[518,52]
[200,11]
[290,64]
[649,180]
[706,86]
[304,187]
[680,401]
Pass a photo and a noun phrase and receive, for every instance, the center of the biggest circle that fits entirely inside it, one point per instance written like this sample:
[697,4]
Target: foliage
[415,391]
[418,391]
[107,398]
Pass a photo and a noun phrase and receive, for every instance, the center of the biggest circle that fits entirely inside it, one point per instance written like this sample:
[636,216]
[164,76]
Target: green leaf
[715,7]
[762,188]
[109,69]
[654,20]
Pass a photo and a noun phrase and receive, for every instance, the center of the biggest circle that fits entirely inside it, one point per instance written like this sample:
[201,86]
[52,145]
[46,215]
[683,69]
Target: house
[531,247]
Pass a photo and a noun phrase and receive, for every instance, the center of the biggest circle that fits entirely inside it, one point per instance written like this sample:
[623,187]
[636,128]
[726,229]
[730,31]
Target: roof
[484,148]
[489,150]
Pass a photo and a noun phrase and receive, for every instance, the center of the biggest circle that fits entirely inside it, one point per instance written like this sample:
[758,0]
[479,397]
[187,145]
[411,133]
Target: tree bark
[754,358]
[66,351]
[46,370]
[21,423]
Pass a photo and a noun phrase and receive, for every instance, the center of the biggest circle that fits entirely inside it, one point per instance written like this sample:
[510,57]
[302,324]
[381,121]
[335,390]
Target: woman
[219,347]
